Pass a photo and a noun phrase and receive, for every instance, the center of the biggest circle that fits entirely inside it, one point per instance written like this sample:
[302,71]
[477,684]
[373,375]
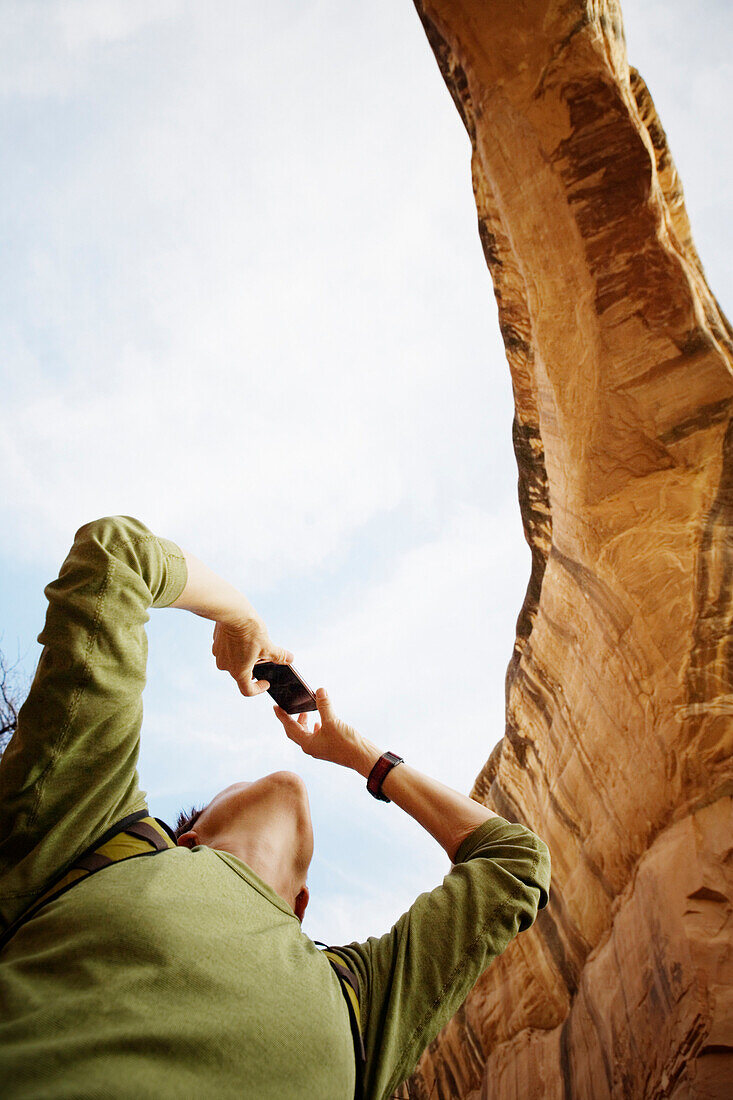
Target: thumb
[324,705]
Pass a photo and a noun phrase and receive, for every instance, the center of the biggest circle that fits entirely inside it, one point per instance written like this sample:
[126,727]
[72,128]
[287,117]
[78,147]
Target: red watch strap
[379,772]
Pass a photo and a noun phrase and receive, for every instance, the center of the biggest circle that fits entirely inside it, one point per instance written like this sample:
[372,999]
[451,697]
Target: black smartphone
[287,688]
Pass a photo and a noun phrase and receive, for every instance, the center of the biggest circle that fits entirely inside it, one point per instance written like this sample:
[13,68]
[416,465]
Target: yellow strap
[120,847]
[354,1001]
[351,995]
[124,845]
[69,878]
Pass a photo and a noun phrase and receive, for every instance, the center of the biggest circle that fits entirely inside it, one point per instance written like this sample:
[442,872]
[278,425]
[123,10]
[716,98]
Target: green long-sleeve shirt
[184,974]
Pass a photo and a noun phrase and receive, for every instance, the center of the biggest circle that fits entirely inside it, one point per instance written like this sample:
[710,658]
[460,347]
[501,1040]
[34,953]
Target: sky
[244,300]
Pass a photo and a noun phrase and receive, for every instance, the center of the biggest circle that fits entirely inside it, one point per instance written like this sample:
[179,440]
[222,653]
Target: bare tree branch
[12,692]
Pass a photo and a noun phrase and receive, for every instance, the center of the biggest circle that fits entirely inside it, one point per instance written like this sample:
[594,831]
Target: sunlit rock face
[620,689]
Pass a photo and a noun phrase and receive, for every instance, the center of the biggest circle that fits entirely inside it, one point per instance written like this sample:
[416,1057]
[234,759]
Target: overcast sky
[243,299]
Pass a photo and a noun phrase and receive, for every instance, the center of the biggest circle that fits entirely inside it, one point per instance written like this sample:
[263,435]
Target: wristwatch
[379,772]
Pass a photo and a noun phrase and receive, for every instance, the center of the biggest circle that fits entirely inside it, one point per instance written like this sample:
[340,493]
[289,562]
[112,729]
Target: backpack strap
[350,988]
[136,835]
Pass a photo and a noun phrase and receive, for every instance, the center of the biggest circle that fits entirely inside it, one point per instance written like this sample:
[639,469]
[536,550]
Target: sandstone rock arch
[620,689]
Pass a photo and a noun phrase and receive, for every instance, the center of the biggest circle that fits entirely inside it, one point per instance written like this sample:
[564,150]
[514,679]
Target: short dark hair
[186,820]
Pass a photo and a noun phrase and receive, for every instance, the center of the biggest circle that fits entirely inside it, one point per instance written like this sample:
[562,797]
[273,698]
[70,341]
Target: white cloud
[420,658]
[684,54]
[51,47]
[230,321]
[85,24]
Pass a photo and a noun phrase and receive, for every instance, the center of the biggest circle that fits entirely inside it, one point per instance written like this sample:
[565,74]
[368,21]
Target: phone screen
[287,688]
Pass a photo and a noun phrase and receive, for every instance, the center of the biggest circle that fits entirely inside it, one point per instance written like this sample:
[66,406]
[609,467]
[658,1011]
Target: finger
[292,728]
[250,687]
[246,677]
[287,719]
[277,654]
[317,727]
[324,705]
[303,719]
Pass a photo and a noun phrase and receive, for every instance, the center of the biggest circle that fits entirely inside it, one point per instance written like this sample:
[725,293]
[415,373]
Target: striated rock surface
[620,689]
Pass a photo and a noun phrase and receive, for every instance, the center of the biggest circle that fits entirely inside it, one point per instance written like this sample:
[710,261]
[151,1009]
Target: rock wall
[620,688]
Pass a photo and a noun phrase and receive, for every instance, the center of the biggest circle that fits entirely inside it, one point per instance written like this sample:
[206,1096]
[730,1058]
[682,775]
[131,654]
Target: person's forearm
[208,595]
[240,636]
[447,815]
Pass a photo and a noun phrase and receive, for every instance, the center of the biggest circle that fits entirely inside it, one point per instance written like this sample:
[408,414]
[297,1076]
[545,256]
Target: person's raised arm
[240,636]
[413,978]
[449,817]
[70,771]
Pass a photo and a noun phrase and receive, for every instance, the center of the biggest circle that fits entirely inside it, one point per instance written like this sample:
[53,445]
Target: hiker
[186,973]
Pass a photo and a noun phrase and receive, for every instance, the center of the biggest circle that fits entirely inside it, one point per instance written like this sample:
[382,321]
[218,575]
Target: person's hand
[331,739]
[237,648]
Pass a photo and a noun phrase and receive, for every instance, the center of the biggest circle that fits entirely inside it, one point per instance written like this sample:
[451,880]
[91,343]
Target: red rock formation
[620,690]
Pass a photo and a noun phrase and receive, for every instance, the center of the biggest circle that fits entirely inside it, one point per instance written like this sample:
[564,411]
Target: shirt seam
[96,622]
[74,703]
[171,582]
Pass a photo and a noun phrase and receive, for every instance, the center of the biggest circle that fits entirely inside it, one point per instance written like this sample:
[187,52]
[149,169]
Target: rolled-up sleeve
[70,771]
[414,978]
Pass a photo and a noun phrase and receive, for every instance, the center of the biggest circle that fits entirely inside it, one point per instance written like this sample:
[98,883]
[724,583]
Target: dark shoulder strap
[350,988]
[136,835]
